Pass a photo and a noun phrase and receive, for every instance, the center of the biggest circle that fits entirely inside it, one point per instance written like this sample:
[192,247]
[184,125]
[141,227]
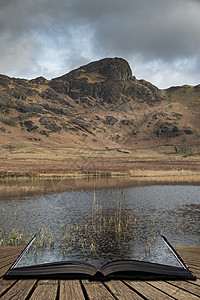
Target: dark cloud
[155,36]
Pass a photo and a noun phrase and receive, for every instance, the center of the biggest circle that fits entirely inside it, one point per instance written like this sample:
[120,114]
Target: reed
[148,248]
[103,227]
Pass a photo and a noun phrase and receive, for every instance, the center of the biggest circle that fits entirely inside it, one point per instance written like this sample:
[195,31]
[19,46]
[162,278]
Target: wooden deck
[83,289]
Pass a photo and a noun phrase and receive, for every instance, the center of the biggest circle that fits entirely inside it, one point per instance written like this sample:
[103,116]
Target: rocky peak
[115,68]
[4,81]
[104,80]
[39,80]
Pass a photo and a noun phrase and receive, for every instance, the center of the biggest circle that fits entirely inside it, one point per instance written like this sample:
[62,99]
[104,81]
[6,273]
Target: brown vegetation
[98,120]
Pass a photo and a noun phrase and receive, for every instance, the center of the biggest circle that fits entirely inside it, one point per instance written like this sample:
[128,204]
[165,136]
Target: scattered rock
[85,101]
[48,94]
[176,115]
[103,129]
[98,118]
[122,151]
[188,131]
[6,104]
[126,122]
[44,132]
[105,87]
[134,132]
[50,124]
[168,130]
[30,126]
[5,81]
[39,80]
[3,129]
[60,86]
[22,93]
[110,120]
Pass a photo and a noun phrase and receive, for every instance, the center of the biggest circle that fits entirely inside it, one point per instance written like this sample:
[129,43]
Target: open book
[119,269]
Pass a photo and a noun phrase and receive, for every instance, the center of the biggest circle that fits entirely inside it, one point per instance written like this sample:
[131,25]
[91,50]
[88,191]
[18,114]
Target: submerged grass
[104,230]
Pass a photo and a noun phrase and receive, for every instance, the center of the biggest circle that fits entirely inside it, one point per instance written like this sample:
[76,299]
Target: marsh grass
[103,231]
[111,229]
[166,175]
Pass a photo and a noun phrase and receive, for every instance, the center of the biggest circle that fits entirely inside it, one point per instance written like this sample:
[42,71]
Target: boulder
[110,120]
[30,126]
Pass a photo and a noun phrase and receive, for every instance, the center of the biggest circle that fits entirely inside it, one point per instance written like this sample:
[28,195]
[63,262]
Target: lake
[102,224]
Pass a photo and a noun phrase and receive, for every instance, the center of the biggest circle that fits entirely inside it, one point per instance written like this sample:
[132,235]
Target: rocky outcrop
[114,68]
[126,122]
[168,130]
[39,80]
[30,125]
[101,100]
[110,120]
[109,80]
[50,123]
[5,81]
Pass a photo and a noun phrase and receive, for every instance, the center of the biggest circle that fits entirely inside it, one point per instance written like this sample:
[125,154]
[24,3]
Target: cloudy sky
[159,38]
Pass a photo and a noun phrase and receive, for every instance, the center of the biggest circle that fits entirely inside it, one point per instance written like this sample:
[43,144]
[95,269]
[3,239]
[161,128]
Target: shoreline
[22,185]
[139,170]
[138,175]
[28,175]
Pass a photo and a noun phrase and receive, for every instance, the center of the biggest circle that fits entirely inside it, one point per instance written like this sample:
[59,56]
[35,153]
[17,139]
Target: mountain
[100,105]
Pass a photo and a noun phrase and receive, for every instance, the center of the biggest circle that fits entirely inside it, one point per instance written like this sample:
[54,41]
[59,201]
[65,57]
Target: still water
[99,225]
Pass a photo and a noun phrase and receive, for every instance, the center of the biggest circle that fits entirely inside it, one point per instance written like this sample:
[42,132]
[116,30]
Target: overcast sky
[159,38]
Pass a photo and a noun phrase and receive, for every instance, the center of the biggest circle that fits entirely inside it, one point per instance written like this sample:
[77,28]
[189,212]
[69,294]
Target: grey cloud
[154,30]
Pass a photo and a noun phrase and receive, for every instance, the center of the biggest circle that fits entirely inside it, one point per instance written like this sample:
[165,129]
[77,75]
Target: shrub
[188,131]
[9,122]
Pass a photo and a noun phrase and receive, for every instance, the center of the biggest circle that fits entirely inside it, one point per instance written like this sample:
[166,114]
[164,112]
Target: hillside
[99,106]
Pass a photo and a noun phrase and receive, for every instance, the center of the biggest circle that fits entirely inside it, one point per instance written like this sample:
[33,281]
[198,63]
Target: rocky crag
[99,105]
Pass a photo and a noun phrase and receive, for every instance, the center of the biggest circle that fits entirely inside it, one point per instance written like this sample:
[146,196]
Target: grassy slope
[64,152]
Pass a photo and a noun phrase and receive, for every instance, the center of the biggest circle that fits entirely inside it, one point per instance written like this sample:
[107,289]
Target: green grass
[8,121]
[23,145]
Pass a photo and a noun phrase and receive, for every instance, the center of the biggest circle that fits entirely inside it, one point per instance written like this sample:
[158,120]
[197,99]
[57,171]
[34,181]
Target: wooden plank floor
[84,289]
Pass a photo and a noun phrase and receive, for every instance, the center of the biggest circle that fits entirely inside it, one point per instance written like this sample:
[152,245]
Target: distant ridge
[100,104]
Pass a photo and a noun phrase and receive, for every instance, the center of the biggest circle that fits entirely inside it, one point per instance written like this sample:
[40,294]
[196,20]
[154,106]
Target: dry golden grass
[166,175]
[50,161]
[54,182]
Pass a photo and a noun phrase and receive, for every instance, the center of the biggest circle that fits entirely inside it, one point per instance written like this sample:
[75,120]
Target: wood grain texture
[189,254]
[70,290]
[4,270]
[194,265]
[5,284]
[9,250]
[173,291]
[96,290]
[121,291]
[147,290]
[8,255]
[196,282]
[196,272]
[7,260]
[46,289]
[20,290]
[190,287]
